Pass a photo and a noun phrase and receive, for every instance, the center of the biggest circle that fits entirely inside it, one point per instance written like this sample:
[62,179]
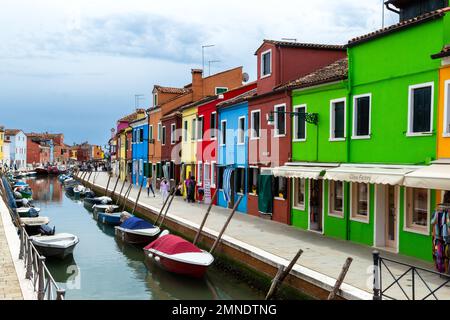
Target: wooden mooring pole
[340,279]
[162,210]
[281,275]
[137,199]
[125,196]
[120,193]
[115,186]
[206,217]
[171,196]
[107,185]
[213,248]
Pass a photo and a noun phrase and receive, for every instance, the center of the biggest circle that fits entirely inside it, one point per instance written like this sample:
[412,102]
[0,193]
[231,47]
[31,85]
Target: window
[417,213]
[420,109]
[299,194]
[300,124]
[240,180]
[213,174]
[220,177]
[360,202]
[253,180]
[337,120]
[280,187]
[241,130]
[173,139]
[163,135]
[223,132]
[361,116]
[193,129]
[155,99]
[266,63]
[141,135]
[336,198]
[220,90]
[185,131]
[447,109]
[199,173]
[213,125]
[280,120]
[159,131]
[200,128]
[256,124]
[207,172]
[150,133]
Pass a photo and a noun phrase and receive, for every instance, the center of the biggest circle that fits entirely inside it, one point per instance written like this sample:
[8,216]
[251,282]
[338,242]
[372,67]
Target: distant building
[39,150]
[18,147]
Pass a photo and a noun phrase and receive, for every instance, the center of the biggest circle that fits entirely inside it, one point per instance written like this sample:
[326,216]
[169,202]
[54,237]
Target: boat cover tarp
[134,223]
[170,244]
[265,196]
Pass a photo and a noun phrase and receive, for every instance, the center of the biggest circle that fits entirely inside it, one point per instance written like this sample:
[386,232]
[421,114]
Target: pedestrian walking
[150,187]
[164,190]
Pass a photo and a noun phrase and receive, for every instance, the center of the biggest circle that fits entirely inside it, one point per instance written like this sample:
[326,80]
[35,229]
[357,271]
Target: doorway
[233,190]
[391,218]
[316,206]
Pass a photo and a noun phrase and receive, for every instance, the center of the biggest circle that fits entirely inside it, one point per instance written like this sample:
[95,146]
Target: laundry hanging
[227,184]
[166,171]
[441,241]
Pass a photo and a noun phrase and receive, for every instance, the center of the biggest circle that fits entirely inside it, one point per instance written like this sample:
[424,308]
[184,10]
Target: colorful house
[232,160]
[18,147]
[2,139]
[355,169]
[140,150]
[278,62]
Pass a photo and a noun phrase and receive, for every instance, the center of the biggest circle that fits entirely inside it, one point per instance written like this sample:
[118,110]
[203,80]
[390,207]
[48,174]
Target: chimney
[197,84]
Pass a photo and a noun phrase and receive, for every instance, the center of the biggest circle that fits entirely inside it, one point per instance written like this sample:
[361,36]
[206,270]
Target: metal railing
[417,276]
[36,271]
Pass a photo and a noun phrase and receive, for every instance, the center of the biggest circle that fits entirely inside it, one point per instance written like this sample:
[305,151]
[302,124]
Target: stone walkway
[323,257]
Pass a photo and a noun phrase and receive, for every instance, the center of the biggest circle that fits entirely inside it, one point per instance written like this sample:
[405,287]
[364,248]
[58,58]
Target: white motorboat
[59,245]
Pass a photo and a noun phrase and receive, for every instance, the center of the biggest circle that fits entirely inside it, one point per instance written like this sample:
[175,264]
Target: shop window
[253,180]
[241,130]
[240,180]
[220,170]
[255,124]
[299,193]
[280,120]
[420,108]
[360,201]
[280,187]
[300,124]
[336,198]
[361,116]
[337,120]
[417,211]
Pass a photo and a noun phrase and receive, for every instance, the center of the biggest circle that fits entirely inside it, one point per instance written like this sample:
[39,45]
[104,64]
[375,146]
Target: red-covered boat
[177,255]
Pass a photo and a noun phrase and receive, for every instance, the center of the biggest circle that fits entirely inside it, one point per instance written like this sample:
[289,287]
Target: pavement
[322,259]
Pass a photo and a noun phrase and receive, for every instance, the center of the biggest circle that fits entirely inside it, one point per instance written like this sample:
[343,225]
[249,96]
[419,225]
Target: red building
[38,151]
[270,143]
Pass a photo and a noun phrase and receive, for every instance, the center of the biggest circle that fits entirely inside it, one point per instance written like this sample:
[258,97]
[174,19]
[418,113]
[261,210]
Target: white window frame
[336,214]
[199,173]
[357,217]
[213,129]
[172,134]
[163,128]
[205,165]
[239,143]
[446,127]
[252,134]
[295,124]
[275,125]
[419,229]
[294,195]
[410,109]
[213,174]
[197,128]
[159,131]
[354,136]
[223,133]
[155,99]
[333,122]
[262,64]
[215,90]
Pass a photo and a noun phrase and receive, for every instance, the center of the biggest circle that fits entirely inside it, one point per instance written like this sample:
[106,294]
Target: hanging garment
[166,171]
[265,196]
[440,256]
[227,184]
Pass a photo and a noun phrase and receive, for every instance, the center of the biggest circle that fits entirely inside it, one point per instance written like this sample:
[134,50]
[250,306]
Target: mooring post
[60,294]
[171,196]
[279,278]
[107,185]
[206,217]
[120,193]
[162,210]
[41,279]
[376,275]
[115,186]
[125,196]
[340,279]
[137,199]
[226,225]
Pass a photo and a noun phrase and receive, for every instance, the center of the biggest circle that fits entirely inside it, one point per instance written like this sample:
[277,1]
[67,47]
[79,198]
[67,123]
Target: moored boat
[41,171]
[90,202]
[32,225]
[28,212]
[59,245]
[176,255]
[136,231]
[112,219]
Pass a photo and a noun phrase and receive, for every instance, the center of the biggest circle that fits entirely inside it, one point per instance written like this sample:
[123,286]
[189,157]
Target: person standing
[150,187]
[191,190]
[164,190]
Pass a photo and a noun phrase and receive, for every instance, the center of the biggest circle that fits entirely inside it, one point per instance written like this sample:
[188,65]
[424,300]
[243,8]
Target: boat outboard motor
[46,230]
[33,213]
[89,194]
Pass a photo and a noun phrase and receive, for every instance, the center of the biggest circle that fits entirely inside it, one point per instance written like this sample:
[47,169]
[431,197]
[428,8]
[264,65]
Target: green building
[377,123]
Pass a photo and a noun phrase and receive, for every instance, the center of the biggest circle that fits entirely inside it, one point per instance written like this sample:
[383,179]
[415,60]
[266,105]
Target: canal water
[105,268]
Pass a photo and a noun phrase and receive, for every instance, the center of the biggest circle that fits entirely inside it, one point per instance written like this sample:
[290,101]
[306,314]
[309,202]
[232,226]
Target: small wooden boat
[28,212]
[53,170]
[90,202]
[174,254]
[41,171]
[110,208]
[59,245]
[112,219]
[26,192]
[33,225]
[136,231]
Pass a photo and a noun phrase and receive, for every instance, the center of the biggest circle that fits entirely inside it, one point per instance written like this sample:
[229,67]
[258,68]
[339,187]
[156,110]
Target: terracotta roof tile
[291,44]
[131,117]
[171,90]
[12,132]
[333,72]
[238,99]
[401,25]
[445,52]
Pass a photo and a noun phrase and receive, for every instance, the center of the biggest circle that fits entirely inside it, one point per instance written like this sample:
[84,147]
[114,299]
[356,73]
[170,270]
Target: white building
[6,153]
[18,147]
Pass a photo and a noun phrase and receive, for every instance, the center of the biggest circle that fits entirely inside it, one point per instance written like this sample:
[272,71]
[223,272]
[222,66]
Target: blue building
[232,161]
[139,150]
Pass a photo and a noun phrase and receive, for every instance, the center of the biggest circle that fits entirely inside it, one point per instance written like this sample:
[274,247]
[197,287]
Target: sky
[74,67]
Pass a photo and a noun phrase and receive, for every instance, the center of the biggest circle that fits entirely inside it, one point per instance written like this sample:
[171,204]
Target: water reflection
[44,189]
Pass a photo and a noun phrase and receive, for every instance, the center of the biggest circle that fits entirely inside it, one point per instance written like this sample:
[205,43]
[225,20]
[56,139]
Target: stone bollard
[376,275]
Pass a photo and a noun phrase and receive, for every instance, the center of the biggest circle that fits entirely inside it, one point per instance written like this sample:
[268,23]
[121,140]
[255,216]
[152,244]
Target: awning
[435,176]
[373,175]
[298,172]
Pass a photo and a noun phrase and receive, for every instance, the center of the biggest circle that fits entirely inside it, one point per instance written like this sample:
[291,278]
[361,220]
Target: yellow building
[189,142]
[123,153]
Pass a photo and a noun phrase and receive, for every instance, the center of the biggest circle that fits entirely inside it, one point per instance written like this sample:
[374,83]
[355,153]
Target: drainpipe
[349,124]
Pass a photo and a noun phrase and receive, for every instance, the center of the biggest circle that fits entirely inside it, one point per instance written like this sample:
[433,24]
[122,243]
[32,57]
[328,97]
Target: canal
[104,268]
